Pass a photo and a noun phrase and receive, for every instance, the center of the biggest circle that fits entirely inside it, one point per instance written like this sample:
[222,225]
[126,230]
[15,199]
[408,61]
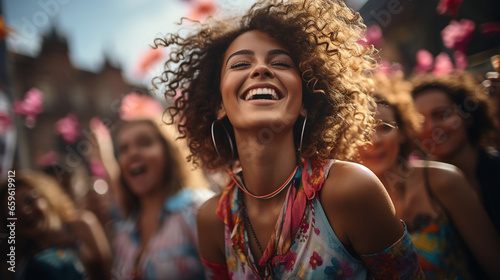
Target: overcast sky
[119,29]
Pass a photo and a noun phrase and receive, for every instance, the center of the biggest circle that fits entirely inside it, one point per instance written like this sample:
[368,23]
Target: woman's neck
[150,209]
[266,166]
[466,161]
[394,177]
[152,203]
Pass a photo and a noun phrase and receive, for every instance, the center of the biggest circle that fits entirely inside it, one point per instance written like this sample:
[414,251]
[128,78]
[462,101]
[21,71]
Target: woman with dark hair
[458,129]
[53,240]
[274,96]
[443,213]
[157,237]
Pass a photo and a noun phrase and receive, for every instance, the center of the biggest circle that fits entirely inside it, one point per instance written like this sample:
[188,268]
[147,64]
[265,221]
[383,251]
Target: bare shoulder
[359,209]
[206,212]
[437,166]
[443,177]
[350,182]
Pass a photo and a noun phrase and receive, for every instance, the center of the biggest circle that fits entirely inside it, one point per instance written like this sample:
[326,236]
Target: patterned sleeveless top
[441,250]
[172,251]
[303,245]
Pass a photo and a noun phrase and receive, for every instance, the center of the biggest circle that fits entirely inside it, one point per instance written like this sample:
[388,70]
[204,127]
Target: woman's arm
[363,217]
[104,152]
[463,206]
[211,240]
[95,249]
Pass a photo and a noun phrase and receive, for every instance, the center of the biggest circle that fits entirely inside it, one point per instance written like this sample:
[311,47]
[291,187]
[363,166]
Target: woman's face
[260,83]
[33,213]
[382,155]
[444,132]
[141,156]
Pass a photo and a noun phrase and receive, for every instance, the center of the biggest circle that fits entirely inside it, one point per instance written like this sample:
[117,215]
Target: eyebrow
[441,108]
[271,52]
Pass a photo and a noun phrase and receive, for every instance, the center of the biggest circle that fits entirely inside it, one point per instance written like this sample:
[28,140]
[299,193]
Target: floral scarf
[304,187]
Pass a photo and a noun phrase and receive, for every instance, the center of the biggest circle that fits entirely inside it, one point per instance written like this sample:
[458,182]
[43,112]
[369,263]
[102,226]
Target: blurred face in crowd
[444,131]
[382,155]
[35,215]
[141,156]
[260,83]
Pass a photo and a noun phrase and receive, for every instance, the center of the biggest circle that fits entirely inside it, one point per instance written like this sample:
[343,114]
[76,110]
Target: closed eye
[239,64]
[281,63]
[440,115]
[122,149]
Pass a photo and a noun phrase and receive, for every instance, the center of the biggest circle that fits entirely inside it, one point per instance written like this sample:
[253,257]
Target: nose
[131,152]
[261,71]
[427,126]
[375,138]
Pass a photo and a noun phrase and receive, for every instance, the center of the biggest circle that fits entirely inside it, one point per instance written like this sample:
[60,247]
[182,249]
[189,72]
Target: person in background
[54,240]
[492,86]
[157,237]
[274,96]
[443,213]
[458,129]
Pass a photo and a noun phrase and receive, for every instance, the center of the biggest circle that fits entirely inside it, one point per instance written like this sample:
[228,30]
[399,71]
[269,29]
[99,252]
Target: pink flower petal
[30,106]
[68,128]
[458,34]
[149,59]
[373,36]
[135,106]
[443,65]
[490,29]
[425,62]
[460,60]
[449,7]
[202,9]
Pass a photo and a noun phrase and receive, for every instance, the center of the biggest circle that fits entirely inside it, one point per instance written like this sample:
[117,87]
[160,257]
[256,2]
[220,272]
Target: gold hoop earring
[228,137]
[302,134]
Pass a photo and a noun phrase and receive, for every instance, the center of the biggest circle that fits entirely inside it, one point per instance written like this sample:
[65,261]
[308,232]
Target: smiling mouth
[261,94]
[137,169]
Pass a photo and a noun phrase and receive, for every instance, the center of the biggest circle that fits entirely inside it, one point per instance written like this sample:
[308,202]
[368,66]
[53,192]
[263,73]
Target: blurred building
[411,25]
[65,90]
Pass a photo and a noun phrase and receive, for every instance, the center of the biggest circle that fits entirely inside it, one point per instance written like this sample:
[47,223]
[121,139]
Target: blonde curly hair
[49,188]
[322,36]
[395,92]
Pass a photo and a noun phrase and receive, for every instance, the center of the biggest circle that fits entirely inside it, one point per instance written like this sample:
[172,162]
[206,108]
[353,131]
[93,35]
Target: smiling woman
[285,86]
[250,101]
[157,237]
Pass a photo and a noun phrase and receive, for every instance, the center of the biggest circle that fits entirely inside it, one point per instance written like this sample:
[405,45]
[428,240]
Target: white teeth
[257,91]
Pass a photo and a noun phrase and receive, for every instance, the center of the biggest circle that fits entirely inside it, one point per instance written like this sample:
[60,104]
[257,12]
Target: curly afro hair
[323,37]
